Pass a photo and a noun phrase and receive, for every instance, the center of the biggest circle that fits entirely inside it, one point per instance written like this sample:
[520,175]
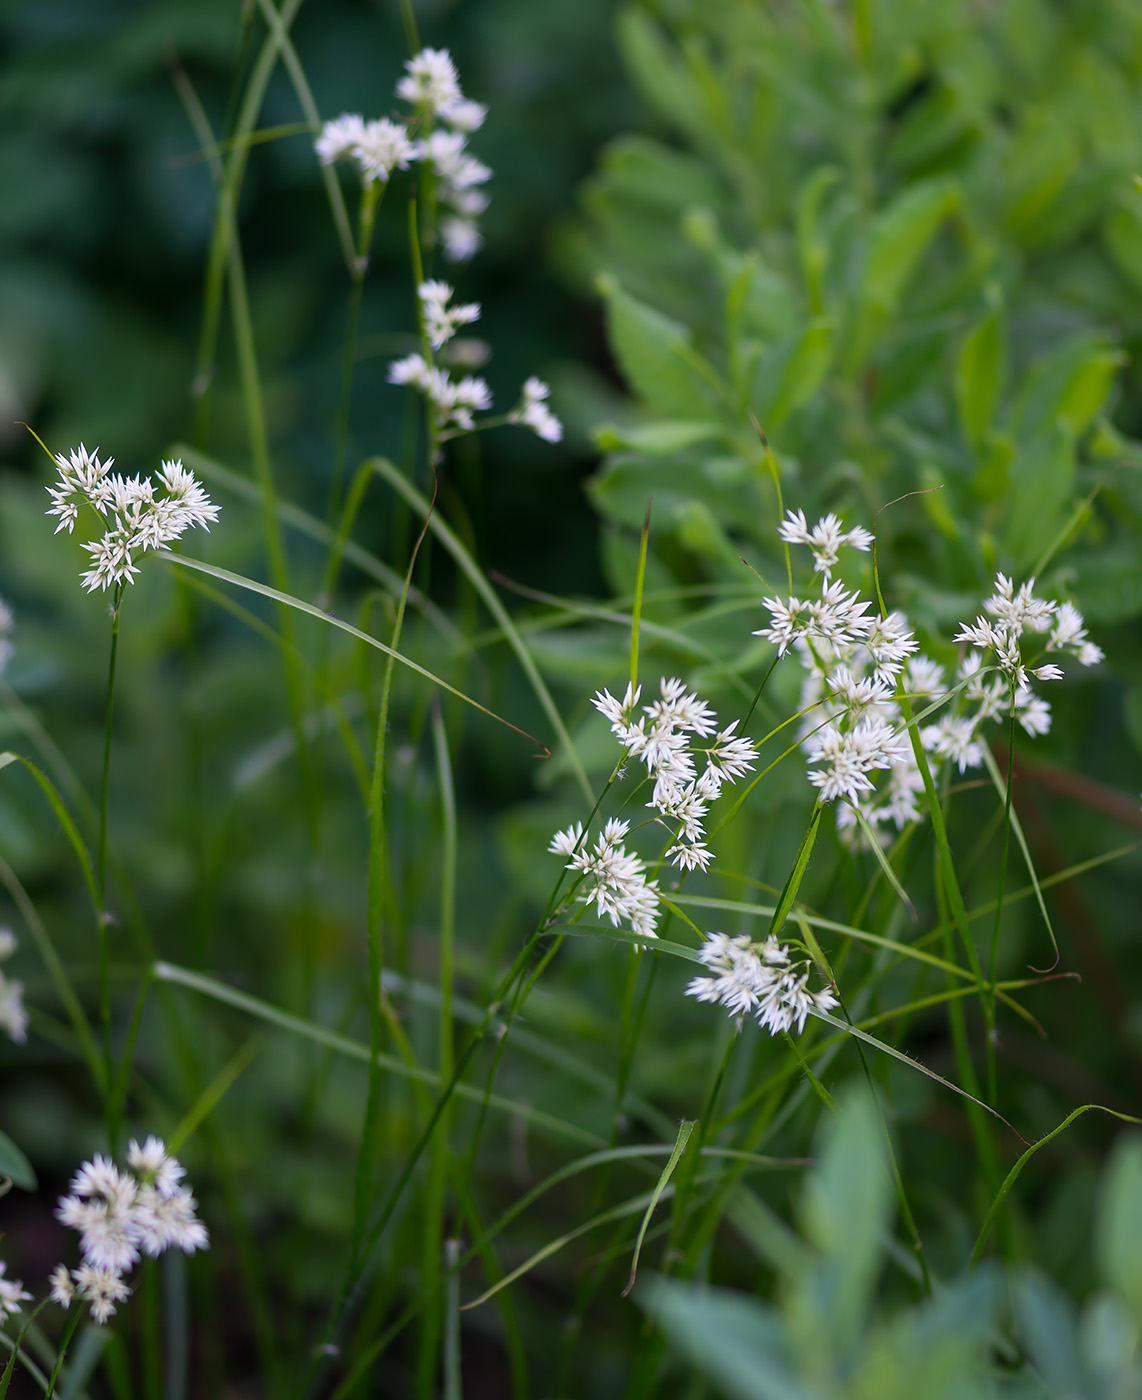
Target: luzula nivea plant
[859,666]
[121,1215]
[136,513]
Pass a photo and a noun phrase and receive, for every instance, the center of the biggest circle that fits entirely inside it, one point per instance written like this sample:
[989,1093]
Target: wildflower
[825,539]
[462,239]
[953,737]
[136,513]
[384,146]
[1069,634]
[101,1288]
[340,138]
[11,1294]
[120,1215]
[13,1017]
[759,980]
[852,754]
[663,738]
[533,413]
[614,879]
[62,1289]
[431,81]
[890,642]
[455,166]
[441,321]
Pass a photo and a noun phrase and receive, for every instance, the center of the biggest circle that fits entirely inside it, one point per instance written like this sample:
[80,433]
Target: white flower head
[11,1294]
[441,319]
[102,1289]
[340,138]
[151,1164]
[62,1286]
[825,539]
[382,147]
[462,239]
[532,411]
[136,513]
[464,115]
[13,1016]
[431,82]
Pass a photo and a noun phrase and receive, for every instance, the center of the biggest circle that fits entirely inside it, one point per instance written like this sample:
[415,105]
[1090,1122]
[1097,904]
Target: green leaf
[1069,385]
[1118,1233]
[656,357]
[734,1341]
[900,234]
[1047,1330]
[792,372]
[845,1204]
[15,1166]
[658,72]
[980,369]
[1042,478]
[657,439]
[1108,584]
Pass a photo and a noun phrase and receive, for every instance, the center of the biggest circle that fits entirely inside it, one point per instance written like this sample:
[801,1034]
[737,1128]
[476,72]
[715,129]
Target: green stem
[101,864]
[992,1084]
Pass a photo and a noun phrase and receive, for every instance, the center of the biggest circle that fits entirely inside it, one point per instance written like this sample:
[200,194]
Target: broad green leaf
[656,357]
[846,1200]
[734,1341]
[792,372]
[15,1166]
[980,372]
[1069,385]
[1118,1236]
[1040,162]
[655,439]
[900,234]
[1042,478]
[657,69]
[812,246]
[1122,234]
[1108,584]
[1047,1332]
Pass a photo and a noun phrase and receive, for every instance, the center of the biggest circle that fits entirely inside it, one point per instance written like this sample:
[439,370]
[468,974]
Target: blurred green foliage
[904,238]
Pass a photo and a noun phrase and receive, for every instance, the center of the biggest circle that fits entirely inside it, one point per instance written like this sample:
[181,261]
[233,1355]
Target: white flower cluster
[532,411]
[6,620]
[121,1215]
[137,513]
[457,400]
[854,664]
[661,739]
[11,1294]
[759,980]
[432,86]
[13,1017]
[614,879]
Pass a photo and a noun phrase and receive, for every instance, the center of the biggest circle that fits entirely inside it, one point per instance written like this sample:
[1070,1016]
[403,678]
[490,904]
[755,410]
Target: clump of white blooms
[121,1215]
[6,621]
[455,401]
[856,663]
[136,513]
[759,980]
[532,411]
[613,879]
[445,118]
[664,739]
[13,1017]
[11,1294]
